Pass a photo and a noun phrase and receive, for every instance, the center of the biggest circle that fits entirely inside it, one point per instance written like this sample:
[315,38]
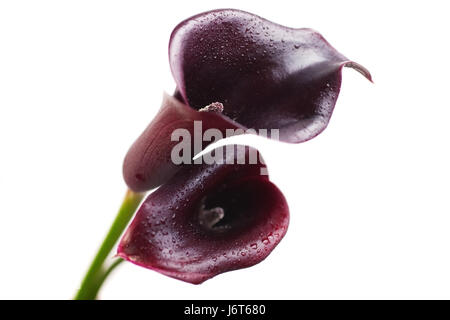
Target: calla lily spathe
[208,219]
[266,75]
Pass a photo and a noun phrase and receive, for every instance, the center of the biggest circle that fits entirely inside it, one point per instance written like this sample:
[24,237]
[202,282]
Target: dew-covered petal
[208,219]
[266,75]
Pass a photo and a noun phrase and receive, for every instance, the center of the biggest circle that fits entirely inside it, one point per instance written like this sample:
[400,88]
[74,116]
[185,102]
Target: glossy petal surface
[208,219]
[148,163]
[266,75]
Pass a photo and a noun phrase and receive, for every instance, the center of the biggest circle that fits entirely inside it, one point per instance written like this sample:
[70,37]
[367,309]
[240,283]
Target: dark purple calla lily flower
[265,75]
[208,219]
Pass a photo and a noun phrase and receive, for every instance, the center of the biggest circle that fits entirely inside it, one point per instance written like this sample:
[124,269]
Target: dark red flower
[265,75]
[208,219]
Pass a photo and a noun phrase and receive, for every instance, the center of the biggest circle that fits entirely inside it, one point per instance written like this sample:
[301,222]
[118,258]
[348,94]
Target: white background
[369,198]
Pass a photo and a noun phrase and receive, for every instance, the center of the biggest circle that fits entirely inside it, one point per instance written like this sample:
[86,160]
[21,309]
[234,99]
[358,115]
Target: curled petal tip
[360,68]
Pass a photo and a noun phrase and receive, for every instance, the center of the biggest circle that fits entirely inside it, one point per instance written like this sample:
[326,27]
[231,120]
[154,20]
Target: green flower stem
[97,272]
[99,282]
